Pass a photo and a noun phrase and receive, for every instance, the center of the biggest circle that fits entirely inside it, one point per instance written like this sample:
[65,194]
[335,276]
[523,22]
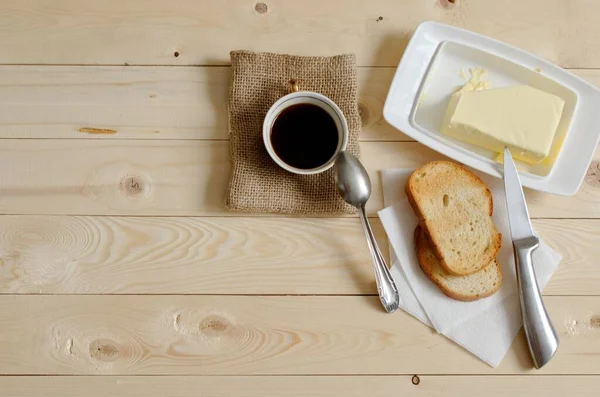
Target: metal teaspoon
[354,186]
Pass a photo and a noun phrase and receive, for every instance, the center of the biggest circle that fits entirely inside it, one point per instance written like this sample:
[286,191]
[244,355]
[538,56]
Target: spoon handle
[388,293]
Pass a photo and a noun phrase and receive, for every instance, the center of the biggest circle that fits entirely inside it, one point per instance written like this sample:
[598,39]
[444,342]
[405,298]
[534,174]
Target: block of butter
[521,117]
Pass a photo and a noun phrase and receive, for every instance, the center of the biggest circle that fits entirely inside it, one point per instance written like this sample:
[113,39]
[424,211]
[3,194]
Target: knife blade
[518,215]
[539,332]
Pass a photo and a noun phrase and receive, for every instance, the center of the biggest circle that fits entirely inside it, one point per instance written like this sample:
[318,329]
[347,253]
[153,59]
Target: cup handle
[294,85]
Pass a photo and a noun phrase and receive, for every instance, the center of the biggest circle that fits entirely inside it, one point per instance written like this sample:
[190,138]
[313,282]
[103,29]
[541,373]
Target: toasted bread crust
[429,225]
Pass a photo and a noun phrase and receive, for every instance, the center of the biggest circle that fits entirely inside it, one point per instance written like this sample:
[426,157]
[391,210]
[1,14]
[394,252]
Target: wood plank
[86,255]
[114,177]
[577,241]
[243,335]
[259,256]
[151,102]
[155,32]
[276,386]
[144,102]
[135,103]
[186,178]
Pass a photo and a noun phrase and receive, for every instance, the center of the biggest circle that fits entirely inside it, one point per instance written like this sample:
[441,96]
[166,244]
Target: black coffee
[304,136]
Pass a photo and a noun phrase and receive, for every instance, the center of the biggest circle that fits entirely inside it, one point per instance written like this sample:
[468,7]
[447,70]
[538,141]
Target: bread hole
[422,174]
[458,253]
[446,200]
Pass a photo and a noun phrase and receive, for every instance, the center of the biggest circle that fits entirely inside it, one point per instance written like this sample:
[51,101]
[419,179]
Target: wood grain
[261,386]
[114,177]
[155,32]
[137,103]
[242,335]
[184,178]
[260,256]
[144,102]
[151,102]
[83,255]
[577,241]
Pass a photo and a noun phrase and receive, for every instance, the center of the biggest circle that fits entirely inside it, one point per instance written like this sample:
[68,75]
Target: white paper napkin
[486,327]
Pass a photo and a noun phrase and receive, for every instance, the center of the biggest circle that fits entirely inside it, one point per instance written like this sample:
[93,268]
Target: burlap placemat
[257,183]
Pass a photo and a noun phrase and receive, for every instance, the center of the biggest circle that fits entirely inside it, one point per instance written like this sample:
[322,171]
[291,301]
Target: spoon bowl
[352,180]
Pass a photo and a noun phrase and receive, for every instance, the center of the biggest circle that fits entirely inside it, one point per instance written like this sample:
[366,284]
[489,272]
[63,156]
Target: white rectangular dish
[433,68]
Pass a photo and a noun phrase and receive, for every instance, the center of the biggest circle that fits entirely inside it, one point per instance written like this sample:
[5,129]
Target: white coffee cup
[305,97]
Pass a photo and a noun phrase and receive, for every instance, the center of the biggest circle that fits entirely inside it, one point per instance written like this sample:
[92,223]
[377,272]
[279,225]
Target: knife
[539,332]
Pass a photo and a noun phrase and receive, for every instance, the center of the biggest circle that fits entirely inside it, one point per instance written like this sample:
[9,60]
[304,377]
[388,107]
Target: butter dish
[433,68]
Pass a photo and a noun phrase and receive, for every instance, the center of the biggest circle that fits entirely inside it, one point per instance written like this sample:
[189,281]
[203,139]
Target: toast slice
[454,207]
[480,284]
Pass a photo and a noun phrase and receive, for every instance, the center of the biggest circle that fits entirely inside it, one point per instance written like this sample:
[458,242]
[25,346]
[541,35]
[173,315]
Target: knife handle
[539,332]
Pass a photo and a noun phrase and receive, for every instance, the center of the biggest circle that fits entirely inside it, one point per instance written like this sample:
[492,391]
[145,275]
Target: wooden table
[119,259]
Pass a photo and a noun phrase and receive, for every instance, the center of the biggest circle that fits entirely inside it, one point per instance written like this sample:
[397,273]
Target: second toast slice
[454,206]
[480,284]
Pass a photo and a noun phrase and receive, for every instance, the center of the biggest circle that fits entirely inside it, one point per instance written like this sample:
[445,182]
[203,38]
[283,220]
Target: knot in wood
[592,176]
[448,3]
[595,322]
[261,8]
[104,350]
[415,380]
[365,113]
[134,186]
[215,325]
